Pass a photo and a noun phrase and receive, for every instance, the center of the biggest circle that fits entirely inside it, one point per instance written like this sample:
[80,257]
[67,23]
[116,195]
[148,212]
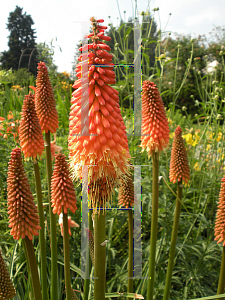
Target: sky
[62,21]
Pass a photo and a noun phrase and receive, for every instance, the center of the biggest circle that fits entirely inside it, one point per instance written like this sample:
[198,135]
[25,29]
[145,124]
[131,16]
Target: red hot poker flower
[220,216]
[30,135]
[105,151]
[62,189]
[179,168]
[155,127]
[45,101]
[23,215]
[126,192]
[7,290]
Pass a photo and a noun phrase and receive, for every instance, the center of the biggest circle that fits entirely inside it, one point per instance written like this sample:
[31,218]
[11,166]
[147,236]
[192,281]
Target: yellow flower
[66,74]
[219,136]
[172,135]
[210,134]
[219,150]
[170,121]
[208,147]
[192,139]
[188,138]
[196,166]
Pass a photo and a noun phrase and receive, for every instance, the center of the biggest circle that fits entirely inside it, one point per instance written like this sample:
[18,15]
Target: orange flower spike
[30,135]
[45,101]
[105,148]
[23,214]
[220,216]
[179,168]
[7,290]
[126,192]
[155,126]
[62,189]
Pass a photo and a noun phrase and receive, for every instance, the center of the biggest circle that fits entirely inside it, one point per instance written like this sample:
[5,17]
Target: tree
[22,37]
[45,53]
[182,45]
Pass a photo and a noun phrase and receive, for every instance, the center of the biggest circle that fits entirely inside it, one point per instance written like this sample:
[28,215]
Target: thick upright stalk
[66,256]
[173,242]
[99,256]
[130,260]
[41,232]
[54,269]
[88,270]
[221,285]
[154,225]
[33,268]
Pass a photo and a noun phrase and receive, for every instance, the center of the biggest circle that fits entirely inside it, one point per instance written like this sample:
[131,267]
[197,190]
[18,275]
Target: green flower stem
[41,231]
[54,269]
[130,261]
[221,284]
[88,271]
[173,242]
[154,225]
[99,256]
[33,268]
[66,256]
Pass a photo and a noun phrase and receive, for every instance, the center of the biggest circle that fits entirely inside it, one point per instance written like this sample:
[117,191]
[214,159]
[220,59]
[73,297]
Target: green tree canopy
[21,37]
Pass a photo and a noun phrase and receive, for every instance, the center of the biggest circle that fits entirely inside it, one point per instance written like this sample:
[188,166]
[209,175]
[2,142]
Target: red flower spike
[23,214]
[45,101]
[105,148]
[155,127]
[126,192]
[7,290]
[62,189]
[179,168]
[220,216]
[30,135]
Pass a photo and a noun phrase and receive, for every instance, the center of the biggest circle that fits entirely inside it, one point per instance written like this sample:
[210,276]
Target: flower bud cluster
[220,216]
[97,136]
[155,126]
[179,168]
[45,101]
[62,189]
[7,290]
[23,215]
[30,135]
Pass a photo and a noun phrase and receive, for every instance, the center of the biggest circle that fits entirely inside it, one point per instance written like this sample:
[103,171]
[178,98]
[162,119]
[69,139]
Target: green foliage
[45,53]
[21,37]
